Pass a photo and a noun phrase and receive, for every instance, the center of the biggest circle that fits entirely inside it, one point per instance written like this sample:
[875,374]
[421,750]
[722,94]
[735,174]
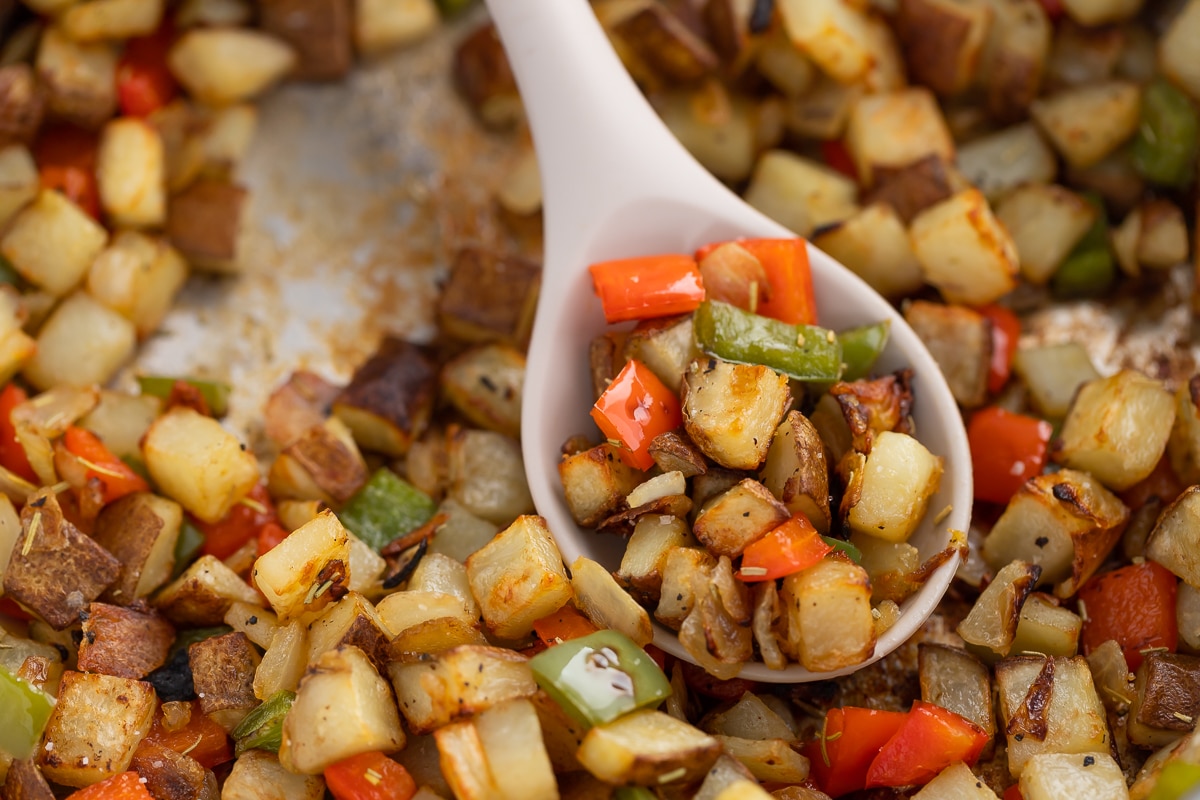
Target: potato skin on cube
[1175,540]
[733,520]
[388,403]
[204,593]
[731,410]
[308,570]
[223,673]
[196,462]
[595,483]
[642,746]
[899,477]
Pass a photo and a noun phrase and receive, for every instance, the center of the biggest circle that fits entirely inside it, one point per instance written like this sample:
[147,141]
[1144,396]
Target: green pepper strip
[24,711]
[598,677]
[861,348]
[1164,149]
[386,507]
[634,793]
[1090,269]
[187,638]
[841,544]
[186,547]
[215,393]
[803,352]
[9,275]
[262,728]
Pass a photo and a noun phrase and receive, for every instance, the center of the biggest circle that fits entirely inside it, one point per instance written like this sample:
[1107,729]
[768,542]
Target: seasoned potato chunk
[351,621]
[258,775]
[1175,540]
[138,277]
[733,520]
[642,746]
[964,251]
[898,479]
[731,410]
[518,578]
[943,41]
[462,681]
[828,610]
[800,194]
[595,483]
[131,172]
[308,570]
[224,65]
[390,398]
[1087,123]
[486,474]
[487,296]
[1048,776]
[1046,222]
[874,244]
[80,78]
[124,642]
[796,470]
[605,603]
[991,625]
[835,35]
[960,341]
[203,593]
[954,679]
[486,384]
[52,242]
[894,129]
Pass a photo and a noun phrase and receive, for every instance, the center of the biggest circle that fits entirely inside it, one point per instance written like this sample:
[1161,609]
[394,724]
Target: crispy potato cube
[642,746]
[203,594]
[1175,49]
[443,574]
[1087,123]
[323,464]
[141,530]
[1048,776]
[956,680]
[83,343]
[484,78]
[731,411]
[306,571]
[1015,57]
[1162,235]
[992,622]
[95,728]
[834,34]
[964,251]
[895,129]
[960,341]
[458,683]
[678,595]
[1049,705]
[1175,542]
[55,569]
[464,763]
[899,477]
[486,474]
[223,670]
[1045,222]
[320,31]
[100,20]
[203,222]
[645,555]
[52,242]
[605,603]
[390,398]
[196,462]
[485,383]
[351,621]
[220,66]
[595,483]
[943,41]
[169,774]
[1117,428]
[769,760]
[660,40]
[828,610]
[138,277]
[342,708]
[402,610]
[796,470]
[131,172]
[80,79]
[997,163]
[124,642]
[824,111]
[1166,699]
[22,104]
[488,297]
[733,520]
[518,578]
[19,182]
[874,244]
[800,194]
[381,25]
[258,775]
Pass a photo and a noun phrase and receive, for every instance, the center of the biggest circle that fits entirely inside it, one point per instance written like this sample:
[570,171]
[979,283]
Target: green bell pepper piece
[262,728]
[187,546]
[803,352]
[450,8]
[634,793]
[1164,149]
[1176,780]
[9,274]
[841,544]
[386,507]
[861,348]
[186,638]
[1086,273]
[598,677]
[215,393]
[24,711]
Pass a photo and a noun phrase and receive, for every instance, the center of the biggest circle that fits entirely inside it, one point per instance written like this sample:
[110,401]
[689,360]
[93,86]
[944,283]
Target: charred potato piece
[1167,700]
[943,41]
[518,578]
[911,188]
[730,522]
[956,680]
[322,464]
[223,673]
[296,406]
[390,398]
[320,32]
[354,622]
[170,775]
[641,746]
[731,410]
[596,483]
[960,341]
[870,407]
[483,76]
[124,642]
[140,530]
[661,41]
[203,223]
[80,79]
[203,594]
[486,384]
[22,103]
[796,470]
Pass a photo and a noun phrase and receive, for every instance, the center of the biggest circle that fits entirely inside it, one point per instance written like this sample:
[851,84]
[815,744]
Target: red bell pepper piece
[12,609]
[269,536]
[66,161]
[837,157]
[115,477]
[1161,484]
[931,739]
[647,287]
[144,82]
[792,298]
[1013,792]
[793,546]
[635,408]
[1006,450]
[1133,605]
[566,623]
[1054,9]
[201,738]
[1006,330]
[369,776]
[122,786]
[242,523]
[12,454]
[849,742]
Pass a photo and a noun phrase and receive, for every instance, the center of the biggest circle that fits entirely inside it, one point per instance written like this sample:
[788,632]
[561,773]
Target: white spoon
[616,184]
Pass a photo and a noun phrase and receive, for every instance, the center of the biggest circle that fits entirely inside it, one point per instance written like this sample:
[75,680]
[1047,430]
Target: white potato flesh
[98,20]
[964,251]
[131,173]
[642,746]
[955,782]
[1046,222]
[83,343]
[19,181]
[258,775]
[284,661]
[997,163]
[874,244]
[222,66]
[1175,540]
[895,129]
[800,194]
[1052,776]
[899,478]
[1087,123]
[1053,373]
[834,34]
[512,742]
[608,605]
[52,242]
[138,276]
[829,620]
[459,682]
[297,574]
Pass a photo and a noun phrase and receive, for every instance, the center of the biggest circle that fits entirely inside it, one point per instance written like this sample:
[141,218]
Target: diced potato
[834,34]
[381,25]
[19,181]
[943,41]
[486,475]
[992,622]
[464,763]
[1173,542]
[307,570]
[458,683]
[1045,222]
[489,296]
[874,244]
[964,251]
[223,669]
[1117,428]
[258,624]
[666,346]
[141,530]
[203,594]
[895,129]
[121,420]
[123,642]
[342,708]
[442,574]
[769,760]
[1000,162]
[728,523]
[1066,523]
[138,277]
[351,621]
[321,31]
[1162,235]
[131,171]
[220,66]
[284,662]
[800,194]
[1015,57]
[1087,123]
[955,782]
[960,341]
[1166,699]
[81,79]
[511,736]
[828,610]
[16,346]
[52,242]
[518,578]
[644,559]
[956,680]
[258,775]
[1049,705]
[595,483]
[731,410]
[462,533]
[1175,49]
[796,470]
[784,66]
[95,727]
[98,20]
[1049,776]
[403,610]
[1046,628]
[203,222]
[749,718]
[605,603]
[678,597]
[520,193]
[642,746]
[824,111]
[1052,374]
[899,477]
[83,343]
[485,384]
[1183,447]
[718,128]
[323,463]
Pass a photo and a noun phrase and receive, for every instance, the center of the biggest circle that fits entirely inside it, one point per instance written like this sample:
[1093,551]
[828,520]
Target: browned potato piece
[956,680]
[203,594]
[203,222]
[642,746]
[835,35]
[518,578]
[796,470]
[828,611]
[318,30]
[351,621]
[1046,627]
[666,346]
[25,782]
[912,188]
[895,129]
[678,595]
[960,341]
[662,42]
[673,451]
[870,407]
[322,464]
[306,571]
[1175,540]
[486,383]
[171,775]
[964,250]
[489,297]
[125,642]
[943,41]
[22,103]
[1015,56]
[1087,123]
[458,683]
[483,76]
[140,529]
[596,483]
[1167,700]
[645,555]
[731,410]
[223,672]
[390,399]
[297,405]
[258,775]
[80,78]
[735,519]
[55,569]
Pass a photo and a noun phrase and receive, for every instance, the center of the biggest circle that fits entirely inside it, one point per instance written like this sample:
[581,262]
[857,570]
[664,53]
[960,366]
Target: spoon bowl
[617,184]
